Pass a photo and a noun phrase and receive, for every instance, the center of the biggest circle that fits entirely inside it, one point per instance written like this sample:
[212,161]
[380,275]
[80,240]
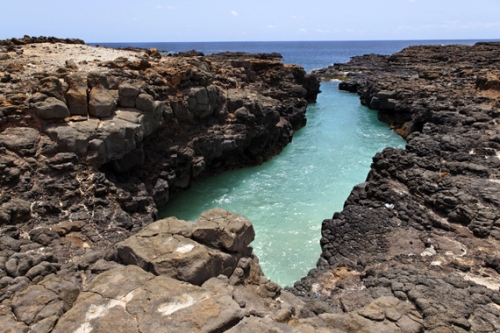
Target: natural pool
[289,196]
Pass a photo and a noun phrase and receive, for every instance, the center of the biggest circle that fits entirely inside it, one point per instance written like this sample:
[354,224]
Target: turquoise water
[289,196]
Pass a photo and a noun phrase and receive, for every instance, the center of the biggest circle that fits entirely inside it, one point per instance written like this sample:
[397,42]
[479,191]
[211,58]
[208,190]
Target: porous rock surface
[414,250]
[425,226]
[93,141]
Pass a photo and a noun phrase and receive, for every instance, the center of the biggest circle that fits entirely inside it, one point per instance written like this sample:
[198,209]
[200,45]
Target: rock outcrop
[424,226]
[92,141]
[90,148]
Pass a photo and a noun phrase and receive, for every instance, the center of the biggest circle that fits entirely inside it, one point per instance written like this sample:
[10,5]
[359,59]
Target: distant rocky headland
[93,140]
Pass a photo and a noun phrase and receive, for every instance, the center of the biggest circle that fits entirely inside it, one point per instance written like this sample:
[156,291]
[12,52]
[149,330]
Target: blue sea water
[288,197]
[309,54]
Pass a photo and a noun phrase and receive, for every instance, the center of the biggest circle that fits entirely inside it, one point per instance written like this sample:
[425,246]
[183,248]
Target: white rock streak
[96,311]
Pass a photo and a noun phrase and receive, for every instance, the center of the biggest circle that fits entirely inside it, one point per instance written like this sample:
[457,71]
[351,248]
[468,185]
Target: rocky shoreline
[94,140]
[424,227]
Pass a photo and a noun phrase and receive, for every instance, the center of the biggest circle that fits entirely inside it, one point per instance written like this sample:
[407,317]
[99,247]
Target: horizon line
[319,40]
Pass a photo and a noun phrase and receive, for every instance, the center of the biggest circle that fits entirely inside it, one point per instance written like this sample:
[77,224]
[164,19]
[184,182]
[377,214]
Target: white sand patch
[49,57]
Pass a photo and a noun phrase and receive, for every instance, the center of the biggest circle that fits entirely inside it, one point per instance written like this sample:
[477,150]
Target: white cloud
[159,7]
[234,13]
[303,30]
[412,0]
[270,26]
[171,7]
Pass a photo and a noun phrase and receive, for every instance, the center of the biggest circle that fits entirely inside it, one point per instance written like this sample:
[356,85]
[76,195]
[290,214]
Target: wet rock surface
[423,228]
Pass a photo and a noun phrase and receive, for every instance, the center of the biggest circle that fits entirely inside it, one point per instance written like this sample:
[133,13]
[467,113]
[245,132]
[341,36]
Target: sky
[250,20]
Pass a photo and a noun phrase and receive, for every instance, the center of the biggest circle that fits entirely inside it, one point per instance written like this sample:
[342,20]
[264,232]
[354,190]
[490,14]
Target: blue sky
[250,20]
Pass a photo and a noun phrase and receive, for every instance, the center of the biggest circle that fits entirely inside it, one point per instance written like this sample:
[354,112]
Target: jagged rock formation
[93,140]
[90,148]
[424,227]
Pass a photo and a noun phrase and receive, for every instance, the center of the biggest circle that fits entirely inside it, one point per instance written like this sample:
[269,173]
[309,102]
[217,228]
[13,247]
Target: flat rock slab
[128,299]
[385,314]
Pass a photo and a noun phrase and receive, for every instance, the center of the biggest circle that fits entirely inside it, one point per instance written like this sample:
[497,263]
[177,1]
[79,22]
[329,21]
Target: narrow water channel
[289,196]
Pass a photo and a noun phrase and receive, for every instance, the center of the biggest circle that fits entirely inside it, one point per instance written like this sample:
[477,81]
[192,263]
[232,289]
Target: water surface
[287,197]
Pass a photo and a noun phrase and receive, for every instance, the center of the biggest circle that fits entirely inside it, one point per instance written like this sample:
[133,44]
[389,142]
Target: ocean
[288,197]
[309,54]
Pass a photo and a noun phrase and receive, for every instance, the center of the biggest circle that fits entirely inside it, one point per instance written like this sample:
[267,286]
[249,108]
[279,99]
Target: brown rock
[77,94]
[8,322]
[52,86]
[51,108]
[21,140]
[36,303]
[224,230]
[127,94]
[128,299]
[163,249]
[71,64]
[101,103]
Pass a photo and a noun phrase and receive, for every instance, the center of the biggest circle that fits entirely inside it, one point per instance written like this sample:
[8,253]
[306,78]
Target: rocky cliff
[425,226]
[93,140]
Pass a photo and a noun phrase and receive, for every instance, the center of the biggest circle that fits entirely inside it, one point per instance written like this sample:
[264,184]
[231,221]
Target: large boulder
[128,299]
[13,210]
[165,248]
[204,101]
[51,108]
[224,230]
[9,322]
[97,79]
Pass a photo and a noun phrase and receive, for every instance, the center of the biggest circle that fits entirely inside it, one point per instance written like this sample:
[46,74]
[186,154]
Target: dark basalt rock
[87,158]
[41,39]
[424,227]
